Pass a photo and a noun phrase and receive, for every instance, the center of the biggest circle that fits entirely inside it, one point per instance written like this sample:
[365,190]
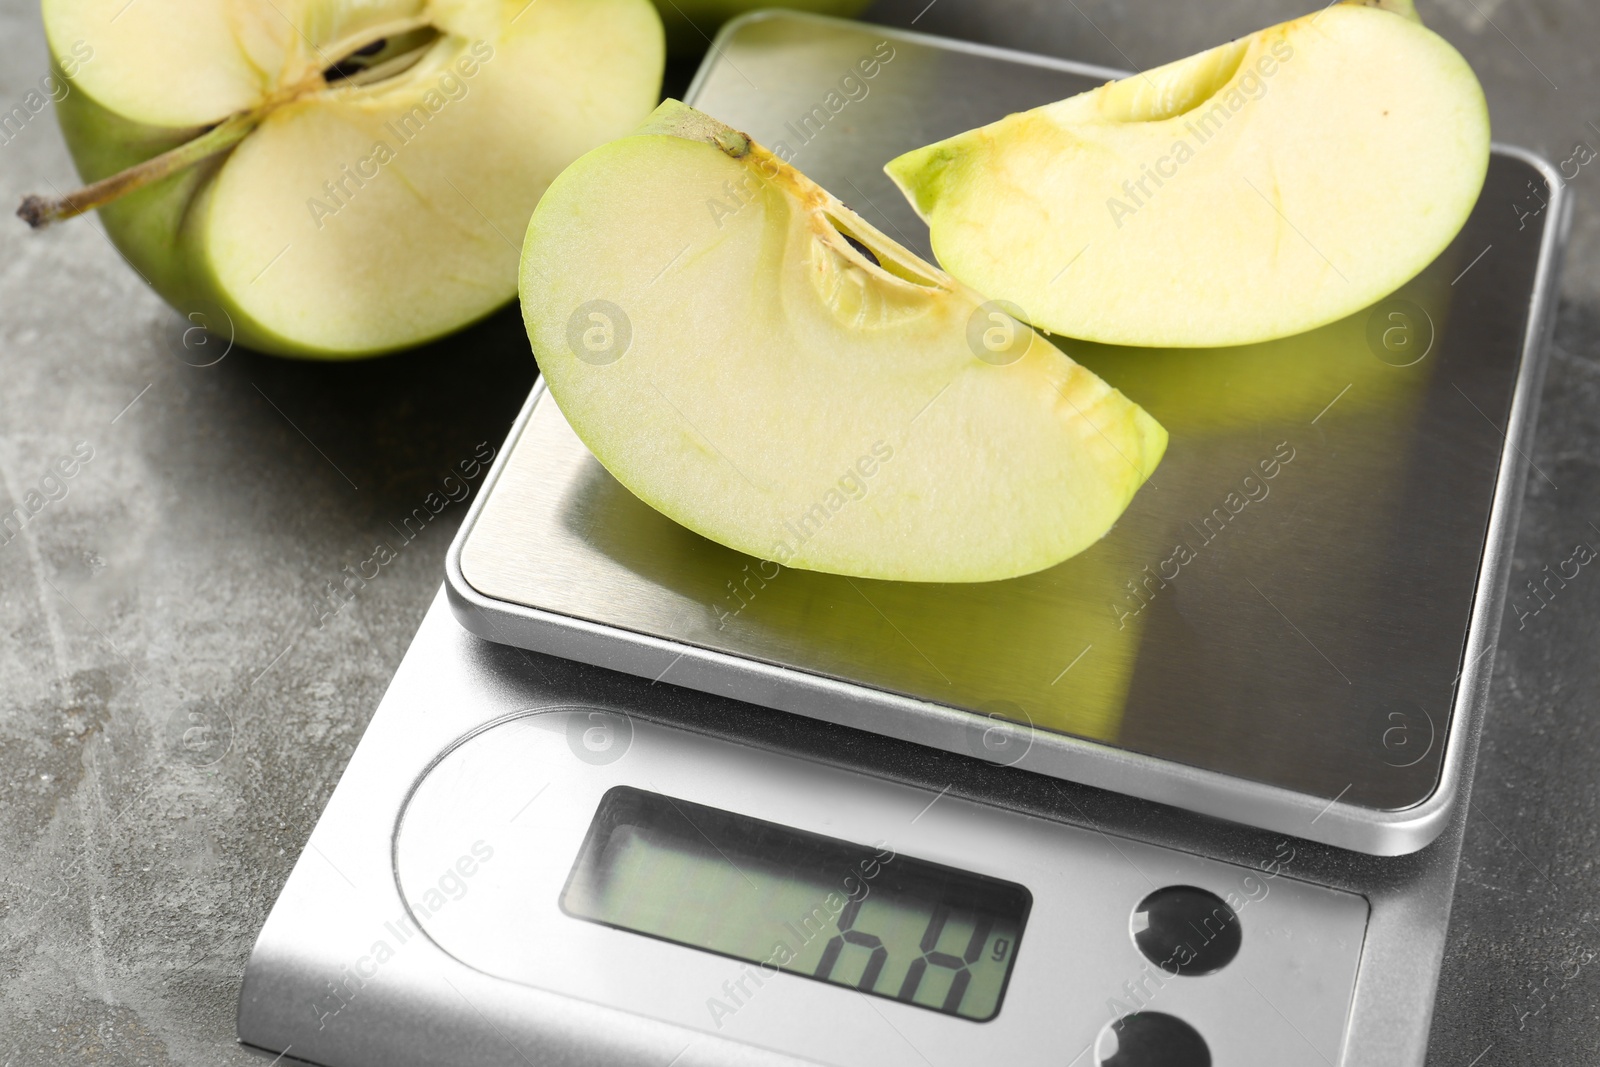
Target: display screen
[786,900]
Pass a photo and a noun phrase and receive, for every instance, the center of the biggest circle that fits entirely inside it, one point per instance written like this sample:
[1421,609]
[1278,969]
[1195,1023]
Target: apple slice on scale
[757,362]
[692,24]
[338,178]
[1257,190]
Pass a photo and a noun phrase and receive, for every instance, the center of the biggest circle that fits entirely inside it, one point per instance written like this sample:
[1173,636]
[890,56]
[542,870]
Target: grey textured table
[177,589]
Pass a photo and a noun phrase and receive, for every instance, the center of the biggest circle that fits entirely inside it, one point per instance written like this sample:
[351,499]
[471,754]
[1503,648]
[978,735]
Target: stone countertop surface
[176,589]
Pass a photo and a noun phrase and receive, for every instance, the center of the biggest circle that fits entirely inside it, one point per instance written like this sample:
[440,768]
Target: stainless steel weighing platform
[1241,727]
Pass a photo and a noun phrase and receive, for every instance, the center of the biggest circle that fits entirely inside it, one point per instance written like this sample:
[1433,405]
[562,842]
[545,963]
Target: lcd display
[782,899]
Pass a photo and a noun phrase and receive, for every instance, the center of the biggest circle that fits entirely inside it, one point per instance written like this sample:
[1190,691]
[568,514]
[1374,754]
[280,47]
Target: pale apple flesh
[361,214]
[725,352]
[1250,192]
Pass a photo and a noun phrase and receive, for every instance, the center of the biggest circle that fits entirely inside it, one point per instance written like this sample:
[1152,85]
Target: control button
[1187,931]
[1151,1039]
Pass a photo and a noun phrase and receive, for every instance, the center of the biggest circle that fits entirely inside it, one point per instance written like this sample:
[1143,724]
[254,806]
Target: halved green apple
[1250,192]
[340,177]
[757,362]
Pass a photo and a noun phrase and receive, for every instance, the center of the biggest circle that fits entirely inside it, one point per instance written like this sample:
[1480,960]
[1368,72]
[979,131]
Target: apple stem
[39,211]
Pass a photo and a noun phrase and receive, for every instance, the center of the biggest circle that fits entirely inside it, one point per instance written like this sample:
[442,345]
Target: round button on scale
[1151,1039]
[1186,931]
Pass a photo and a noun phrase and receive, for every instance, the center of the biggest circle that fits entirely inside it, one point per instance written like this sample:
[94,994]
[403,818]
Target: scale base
[314,988]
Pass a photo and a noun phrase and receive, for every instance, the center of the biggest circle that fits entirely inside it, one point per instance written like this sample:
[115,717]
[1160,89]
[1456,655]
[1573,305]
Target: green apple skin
[160,228]
[691,24]
[1351,146]
[714,338]
[148,225]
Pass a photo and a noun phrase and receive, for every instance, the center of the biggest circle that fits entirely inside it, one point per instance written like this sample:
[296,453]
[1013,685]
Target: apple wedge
[338,178]
[758,363]
[1257,190]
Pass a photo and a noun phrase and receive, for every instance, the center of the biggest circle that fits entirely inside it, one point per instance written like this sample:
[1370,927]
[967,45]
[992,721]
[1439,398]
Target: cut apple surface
[760,364]
[383,158]
[1250,192]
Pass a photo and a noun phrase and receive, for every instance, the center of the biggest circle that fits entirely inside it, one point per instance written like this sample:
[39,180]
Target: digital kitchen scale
[1194,796]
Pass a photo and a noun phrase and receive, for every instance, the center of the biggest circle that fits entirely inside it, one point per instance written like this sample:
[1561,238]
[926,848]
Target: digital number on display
[787,900]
